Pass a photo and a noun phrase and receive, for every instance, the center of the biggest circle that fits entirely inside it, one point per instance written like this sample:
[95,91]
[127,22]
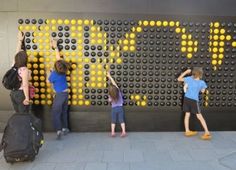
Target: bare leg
[113,125]
[186,121]
[203,122]
[123,134]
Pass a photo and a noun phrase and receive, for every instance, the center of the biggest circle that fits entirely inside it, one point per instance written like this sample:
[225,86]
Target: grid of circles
[145,57]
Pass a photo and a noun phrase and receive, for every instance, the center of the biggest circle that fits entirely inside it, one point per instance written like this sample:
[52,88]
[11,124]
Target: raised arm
[112,80]
[181,77]
[54,46]
[20,38]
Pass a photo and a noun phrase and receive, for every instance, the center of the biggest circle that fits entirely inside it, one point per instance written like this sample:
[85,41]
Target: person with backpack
[60,103]
[20,96]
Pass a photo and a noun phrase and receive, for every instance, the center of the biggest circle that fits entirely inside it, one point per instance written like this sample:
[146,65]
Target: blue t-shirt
[59,81]
[194,87]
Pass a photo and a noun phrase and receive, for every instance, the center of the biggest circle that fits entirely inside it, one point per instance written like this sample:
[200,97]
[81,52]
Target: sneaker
[65,131]
[123,135]
[59,133]
[206,136]
[190,133]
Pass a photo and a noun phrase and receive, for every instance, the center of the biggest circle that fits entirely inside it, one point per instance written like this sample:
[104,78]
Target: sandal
[190,133]
[206,136]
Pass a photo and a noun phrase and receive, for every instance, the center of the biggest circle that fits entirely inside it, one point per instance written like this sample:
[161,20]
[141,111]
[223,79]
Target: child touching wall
[115,97]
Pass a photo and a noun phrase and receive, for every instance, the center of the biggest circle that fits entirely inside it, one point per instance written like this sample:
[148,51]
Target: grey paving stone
[133,156]
[203,154]
[180,155]
[151,151]
[96,166]
[189,165]
[216,165]
[229,161]
[118,166]
[44,166]
[143,145]
[121,144]
[144,166]
[157,157]
[113,156]
[89,156]
[70,166]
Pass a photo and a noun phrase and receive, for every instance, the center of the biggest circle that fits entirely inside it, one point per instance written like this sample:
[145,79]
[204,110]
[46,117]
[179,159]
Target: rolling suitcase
[22,138]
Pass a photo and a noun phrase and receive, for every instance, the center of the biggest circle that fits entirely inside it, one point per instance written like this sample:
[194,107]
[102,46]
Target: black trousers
[17,98]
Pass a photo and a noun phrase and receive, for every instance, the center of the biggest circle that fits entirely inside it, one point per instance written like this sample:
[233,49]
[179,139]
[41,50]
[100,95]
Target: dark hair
[21,59]
[113,92]
[61,66]
[197,72]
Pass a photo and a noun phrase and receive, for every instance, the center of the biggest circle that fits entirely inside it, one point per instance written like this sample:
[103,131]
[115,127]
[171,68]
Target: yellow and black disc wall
[145,53]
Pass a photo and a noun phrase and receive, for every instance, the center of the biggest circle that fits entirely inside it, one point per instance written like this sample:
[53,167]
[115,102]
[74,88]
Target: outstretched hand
[53,43]
[108,74]
[20,36]
[188,71]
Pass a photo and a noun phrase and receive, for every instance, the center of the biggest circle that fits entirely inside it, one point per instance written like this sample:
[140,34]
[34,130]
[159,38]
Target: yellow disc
[221,56]
[125,42]
[59,21]
[73,21]
[215,37]
[216,31]
[139,29]
[184,36]
[177,30]
[172,23]
[222,37]
[215,43]
[213,62]
[36,102]
[215,50]
[145,23]
[132,42]
[165,23]
[219,62]
[222,31]
[190,49]
[79,22]
[119,61]
[228,37]
[221,43]
[81,102]
[66,21]
[190,43]
[189,55]
[183,43]
[158,23]
[183,49]
[132,48]
[125,48]
[214,56]
[86,22]
[137,97]
[143,103]
[87,102]
[132,35]
[152,23]
[234,44]
[216,24]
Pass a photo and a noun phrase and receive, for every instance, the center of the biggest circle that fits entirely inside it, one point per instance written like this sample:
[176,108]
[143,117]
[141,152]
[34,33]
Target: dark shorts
[117,112]
[191,106]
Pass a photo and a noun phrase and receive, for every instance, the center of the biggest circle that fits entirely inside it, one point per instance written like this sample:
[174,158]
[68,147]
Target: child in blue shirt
[193,85]
[116,99]
[60,102]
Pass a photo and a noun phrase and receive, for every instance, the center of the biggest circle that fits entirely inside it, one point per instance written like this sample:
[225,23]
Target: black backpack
[11,79]
[22,138]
